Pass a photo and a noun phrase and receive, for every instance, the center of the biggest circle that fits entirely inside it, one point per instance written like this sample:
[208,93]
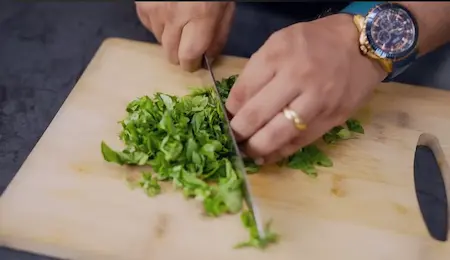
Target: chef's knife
[432,183]
[239,162]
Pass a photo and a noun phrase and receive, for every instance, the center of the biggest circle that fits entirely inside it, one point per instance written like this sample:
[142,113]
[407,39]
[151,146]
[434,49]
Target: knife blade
[239,162]
[432,185]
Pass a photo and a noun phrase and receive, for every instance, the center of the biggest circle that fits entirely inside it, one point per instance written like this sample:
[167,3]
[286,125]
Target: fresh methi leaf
[184,140]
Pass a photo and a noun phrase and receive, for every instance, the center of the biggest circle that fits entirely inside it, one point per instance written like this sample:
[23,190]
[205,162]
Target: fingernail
[259,161]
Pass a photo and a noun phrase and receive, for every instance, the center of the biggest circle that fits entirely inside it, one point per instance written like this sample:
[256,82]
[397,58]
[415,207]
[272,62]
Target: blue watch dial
[391,31]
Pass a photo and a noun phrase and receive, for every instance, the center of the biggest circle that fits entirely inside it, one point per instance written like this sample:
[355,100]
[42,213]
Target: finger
[280,130]
[170,41]
[157,27]
[271,158]
[256,74]
[195,39]
[222,31]
[143,17]
[320,126]
[285,151]
[262,107]
[150,22]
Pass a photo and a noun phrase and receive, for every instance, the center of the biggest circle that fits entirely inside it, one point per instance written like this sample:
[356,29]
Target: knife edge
[238,161]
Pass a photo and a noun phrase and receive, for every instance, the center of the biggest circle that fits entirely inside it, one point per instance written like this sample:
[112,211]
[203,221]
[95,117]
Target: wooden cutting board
[65,201]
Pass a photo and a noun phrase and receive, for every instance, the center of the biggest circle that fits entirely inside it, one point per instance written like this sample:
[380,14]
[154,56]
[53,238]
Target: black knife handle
[431,189]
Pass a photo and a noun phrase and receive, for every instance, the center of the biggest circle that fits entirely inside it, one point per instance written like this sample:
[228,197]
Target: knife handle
[432,184]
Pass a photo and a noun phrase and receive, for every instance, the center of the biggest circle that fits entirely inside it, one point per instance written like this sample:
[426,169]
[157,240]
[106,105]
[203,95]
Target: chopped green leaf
[150,184]
[334,135]
[255,240]
[109,155]
[339,133]
[344,134]
[307,158]
[251,166]
[184,140]
[354,126]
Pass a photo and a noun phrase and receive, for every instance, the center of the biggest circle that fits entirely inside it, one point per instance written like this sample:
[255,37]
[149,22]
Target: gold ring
[292,115]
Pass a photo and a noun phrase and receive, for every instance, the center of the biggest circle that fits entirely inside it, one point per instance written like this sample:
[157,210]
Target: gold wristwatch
[388,34]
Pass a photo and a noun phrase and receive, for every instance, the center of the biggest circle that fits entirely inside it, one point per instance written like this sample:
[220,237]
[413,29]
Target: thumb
[196,37]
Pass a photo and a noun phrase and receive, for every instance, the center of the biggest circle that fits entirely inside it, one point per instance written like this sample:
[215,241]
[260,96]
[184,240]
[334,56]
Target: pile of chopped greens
[184,141]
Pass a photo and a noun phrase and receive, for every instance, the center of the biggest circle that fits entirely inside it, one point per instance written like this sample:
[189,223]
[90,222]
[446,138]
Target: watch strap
[398,67]
[361,8]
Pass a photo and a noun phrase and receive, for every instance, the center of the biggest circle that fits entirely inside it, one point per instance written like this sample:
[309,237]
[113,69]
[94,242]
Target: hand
[187,30]
[314,68]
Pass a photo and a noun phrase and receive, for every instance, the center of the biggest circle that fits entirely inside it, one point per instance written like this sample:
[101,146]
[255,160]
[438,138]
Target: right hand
[187,30]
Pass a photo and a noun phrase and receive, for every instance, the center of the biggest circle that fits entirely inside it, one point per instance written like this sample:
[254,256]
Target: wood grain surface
[66,201]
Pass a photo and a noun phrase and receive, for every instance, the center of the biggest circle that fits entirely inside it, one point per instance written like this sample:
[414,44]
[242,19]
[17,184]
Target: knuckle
[172,14]
[274,37]
[251,117]
[288,37]
[260,56]
[260,146]
[291,148]
[266,142]
[269,137]
[245,121]
[270,56]
[236,99]
[189,53]
[278,45]
[295,144]
[278,37]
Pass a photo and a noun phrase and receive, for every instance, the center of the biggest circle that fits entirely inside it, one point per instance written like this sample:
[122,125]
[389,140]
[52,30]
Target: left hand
[314,68]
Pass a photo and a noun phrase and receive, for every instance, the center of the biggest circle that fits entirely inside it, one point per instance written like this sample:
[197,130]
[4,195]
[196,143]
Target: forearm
[433,20]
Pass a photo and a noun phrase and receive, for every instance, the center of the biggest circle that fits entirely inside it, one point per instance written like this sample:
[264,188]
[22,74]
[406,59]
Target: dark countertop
[45,47]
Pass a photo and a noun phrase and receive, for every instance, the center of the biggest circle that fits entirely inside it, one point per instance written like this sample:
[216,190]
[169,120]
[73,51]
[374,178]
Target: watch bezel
[368,28]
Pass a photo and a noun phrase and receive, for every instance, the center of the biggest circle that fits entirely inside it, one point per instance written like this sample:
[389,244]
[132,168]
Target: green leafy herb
[109,155]
[150,184]
[354,126]
[307,158]
[339,133]
[251,166]
[184,141]
[255,240]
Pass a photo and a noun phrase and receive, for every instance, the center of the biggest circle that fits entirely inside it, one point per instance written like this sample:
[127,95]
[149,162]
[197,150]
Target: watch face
[391,31]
